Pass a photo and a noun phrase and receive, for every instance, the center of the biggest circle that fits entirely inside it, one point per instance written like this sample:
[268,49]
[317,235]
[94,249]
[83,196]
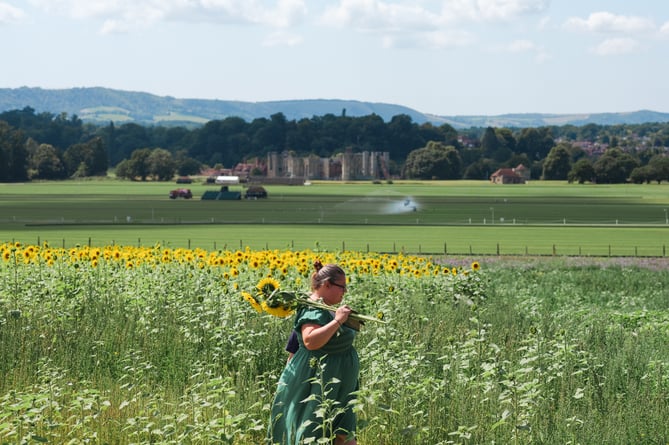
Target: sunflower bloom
[278,311]
[252,301]
[268,285]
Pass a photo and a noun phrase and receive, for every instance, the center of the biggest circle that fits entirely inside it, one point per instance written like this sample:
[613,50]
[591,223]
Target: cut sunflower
[268,285]
[279,303]
[252,301]
[289,301]
[278,311]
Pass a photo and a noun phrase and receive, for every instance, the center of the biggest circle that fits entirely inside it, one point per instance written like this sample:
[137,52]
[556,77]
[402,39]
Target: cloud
[505,10]
[10,14]
[438,39]
[416,15]
[616,46]
[521,46]
[380,15]
[122,15]
[426,23]
[606,22]
[664,29]
[287,13]
[491,10]
[282,38]
[518,46]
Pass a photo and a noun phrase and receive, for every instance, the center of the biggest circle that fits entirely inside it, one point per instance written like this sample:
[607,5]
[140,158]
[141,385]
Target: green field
[127,345]
[455,217]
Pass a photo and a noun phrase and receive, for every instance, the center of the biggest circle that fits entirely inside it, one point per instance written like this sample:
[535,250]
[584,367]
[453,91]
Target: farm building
[516,175]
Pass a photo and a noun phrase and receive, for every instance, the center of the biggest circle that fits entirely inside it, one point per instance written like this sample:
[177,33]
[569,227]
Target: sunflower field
[135,345]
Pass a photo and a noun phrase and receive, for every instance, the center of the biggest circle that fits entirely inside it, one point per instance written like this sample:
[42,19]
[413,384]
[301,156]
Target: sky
[448,57]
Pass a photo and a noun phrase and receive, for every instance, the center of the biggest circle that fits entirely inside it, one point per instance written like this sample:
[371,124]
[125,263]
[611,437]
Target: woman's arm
[316,336]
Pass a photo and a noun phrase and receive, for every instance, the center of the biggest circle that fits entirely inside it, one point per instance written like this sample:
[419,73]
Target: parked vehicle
[181,193]
[255,192]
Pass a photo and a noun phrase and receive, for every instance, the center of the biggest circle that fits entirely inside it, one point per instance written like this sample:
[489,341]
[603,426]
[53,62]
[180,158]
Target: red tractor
[181,193]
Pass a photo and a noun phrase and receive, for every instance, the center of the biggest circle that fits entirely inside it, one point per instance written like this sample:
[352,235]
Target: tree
[126,139]
[649,153]
[518,158]
[13,154]
[301,136]
[506,137]
[221,141]
[403,136]
[99,162]
[369,132]
[576,153]
[56,130]
[450,135]
[62,132]
[434,161]
[614,167]
[536,143]
[661,164]
[490,143]
[582,171]
[481,169]
[186,165]
[161,164]
[589,132]
[498,144]
[124,169]
[47,163]
[558,162]
[657,170]
[642,174]
[135,167]
[86,159]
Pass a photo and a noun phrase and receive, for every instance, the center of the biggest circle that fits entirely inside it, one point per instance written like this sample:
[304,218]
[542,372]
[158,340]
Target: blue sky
[449,57]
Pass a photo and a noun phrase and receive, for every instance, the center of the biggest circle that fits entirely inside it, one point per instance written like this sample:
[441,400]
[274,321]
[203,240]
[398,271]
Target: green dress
[295,411]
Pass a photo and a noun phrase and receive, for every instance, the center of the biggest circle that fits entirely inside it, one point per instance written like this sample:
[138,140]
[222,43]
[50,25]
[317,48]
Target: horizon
[526,113]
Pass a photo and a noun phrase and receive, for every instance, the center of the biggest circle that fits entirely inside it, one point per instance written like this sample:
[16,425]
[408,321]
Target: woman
[325,363]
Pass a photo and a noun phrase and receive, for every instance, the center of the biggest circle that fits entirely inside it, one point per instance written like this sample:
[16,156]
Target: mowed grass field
[453,217]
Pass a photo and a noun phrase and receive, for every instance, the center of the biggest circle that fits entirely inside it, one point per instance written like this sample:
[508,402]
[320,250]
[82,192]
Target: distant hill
[541,120]
[102,105]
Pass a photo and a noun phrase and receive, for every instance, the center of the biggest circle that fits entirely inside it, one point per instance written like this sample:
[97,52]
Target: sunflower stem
[304,300]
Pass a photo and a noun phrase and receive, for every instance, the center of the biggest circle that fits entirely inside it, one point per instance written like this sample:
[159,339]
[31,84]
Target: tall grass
[154,345]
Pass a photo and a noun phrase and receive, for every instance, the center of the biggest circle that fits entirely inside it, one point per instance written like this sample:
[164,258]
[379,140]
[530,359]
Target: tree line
[47,146]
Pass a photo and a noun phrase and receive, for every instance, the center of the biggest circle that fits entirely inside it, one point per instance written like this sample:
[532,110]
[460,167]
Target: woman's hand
[342,314]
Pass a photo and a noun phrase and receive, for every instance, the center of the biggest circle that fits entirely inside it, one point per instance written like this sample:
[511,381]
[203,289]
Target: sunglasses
[340,286]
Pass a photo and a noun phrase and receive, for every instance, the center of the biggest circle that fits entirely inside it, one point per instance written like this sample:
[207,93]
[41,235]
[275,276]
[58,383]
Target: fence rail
[471,249]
